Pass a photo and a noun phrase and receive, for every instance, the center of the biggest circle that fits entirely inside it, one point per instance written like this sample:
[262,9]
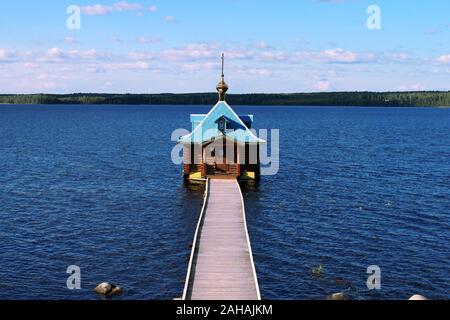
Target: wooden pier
[221,264]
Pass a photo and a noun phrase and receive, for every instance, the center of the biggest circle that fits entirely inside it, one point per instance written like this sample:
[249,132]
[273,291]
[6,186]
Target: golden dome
[222,86]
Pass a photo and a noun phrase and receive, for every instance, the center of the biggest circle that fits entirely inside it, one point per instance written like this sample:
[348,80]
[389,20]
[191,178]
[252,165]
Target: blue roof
[197,118]
[207,128]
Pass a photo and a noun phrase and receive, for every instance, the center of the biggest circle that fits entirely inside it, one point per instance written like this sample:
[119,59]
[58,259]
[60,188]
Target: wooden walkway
[221,265]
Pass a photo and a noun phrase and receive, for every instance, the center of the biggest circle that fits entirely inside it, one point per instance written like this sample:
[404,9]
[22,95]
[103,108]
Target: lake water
[94,186]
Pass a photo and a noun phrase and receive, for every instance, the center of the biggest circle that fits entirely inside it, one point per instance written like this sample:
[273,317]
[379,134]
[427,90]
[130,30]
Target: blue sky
[270,46]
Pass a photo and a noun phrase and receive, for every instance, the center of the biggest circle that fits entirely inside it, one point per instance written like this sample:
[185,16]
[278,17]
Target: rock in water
[341,282]
[103,288]
[338,296]
[417,297]
[108,289]
[116,291]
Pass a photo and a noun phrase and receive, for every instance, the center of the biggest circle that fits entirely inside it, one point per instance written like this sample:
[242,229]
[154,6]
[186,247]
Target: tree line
[416,98]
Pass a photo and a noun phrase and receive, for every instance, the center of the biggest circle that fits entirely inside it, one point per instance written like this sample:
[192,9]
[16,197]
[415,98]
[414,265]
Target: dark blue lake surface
[94,186]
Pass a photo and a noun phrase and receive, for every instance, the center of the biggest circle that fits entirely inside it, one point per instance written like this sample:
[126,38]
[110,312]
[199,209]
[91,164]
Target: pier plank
[221,265]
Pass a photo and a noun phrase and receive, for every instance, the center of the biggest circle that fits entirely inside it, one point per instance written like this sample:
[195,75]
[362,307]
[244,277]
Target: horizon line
[229,94]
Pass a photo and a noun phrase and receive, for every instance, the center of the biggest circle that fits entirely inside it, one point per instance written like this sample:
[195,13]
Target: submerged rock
[116,291]
[417,297]
[107,289]
[342,282]
[317,271]
[338,296]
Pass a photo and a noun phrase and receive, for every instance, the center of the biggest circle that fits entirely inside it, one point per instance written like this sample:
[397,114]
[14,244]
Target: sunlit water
[94,186]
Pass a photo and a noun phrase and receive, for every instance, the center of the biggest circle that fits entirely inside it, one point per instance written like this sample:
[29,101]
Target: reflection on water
[194,186]
[249,186]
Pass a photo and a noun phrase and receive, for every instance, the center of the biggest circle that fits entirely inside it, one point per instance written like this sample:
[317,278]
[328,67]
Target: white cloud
[139,55]
[97,10]
[95,68]
[273,56]
[54,53]
[191,52]
[261,45]
[332,69]
[180,54]
[42,76]
[321,85]
[127,6]
[334,56]
[398,57]
[102,10]
[259,72]
[239,54]
[340,55]
[153,9]
[30,65]
[3,54]
[59,55]
[70,40]
[169,18]
[138,65]
[444,59]
[11,55]
[148,40]
[432,31]
[411,87]
[191,67]
[89,54]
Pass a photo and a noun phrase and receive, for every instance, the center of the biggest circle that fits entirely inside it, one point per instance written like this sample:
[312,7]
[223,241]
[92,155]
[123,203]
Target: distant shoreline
[375,99]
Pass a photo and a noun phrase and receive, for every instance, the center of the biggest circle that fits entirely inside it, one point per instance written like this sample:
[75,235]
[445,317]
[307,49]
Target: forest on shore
[416,98]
